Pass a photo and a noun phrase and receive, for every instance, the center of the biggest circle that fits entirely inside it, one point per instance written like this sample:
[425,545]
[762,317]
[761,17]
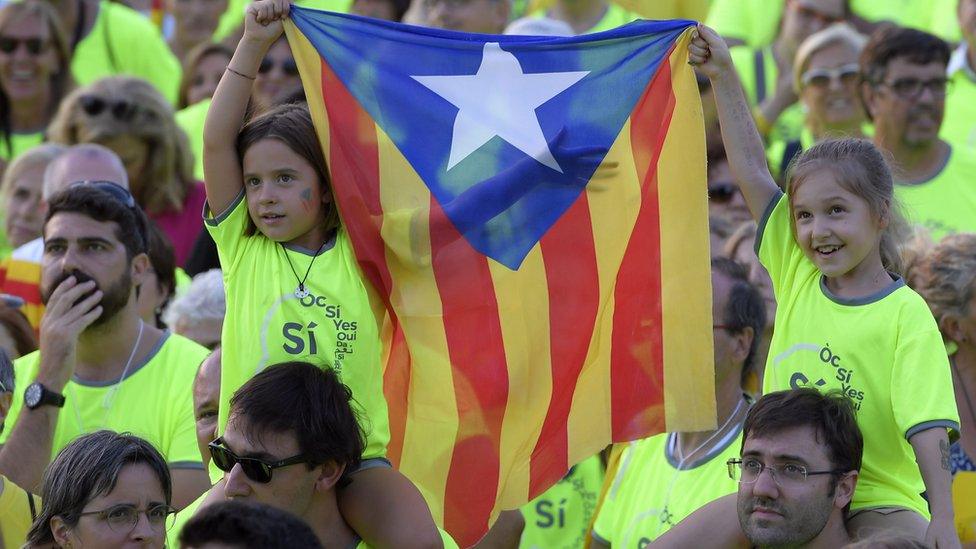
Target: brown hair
[948,276]
[168,175]
[19,328]
[193,59]
[291,124]
[60,82]
[860,168]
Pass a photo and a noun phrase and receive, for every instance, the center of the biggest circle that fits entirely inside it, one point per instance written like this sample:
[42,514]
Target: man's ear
[139,267]
[869,96]
[743,342]
[5,400]
[951,328]
[329,475]
[844,492]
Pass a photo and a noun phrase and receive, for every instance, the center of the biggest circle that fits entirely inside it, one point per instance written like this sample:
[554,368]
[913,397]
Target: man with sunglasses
[88,162]
[797,470]
[290,440]
[99,365]
[904,92]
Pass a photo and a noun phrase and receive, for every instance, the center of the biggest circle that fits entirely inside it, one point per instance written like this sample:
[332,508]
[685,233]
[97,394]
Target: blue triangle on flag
[500,198]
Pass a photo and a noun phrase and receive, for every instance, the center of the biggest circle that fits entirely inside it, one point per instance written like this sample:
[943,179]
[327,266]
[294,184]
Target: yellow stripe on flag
[689,377]
[613,195]
[526,339]
[426,456]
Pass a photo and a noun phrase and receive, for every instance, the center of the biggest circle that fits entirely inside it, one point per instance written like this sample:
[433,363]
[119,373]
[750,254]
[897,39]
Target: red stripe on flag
[354,167]
[474,340]
[637,357]
[569,255]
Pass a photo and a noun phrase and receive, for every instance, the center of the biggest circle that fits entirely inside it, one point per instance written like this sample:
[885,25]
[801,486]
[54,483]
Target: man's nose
[235,483]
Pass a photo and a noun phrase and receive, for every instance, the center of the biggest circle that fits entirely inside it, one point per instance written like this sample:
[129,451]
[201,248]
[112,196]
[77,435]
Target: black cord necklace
[301,292]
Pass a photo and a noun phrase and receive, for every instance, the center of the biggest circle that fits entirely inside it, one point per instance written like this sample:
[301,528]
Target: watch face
[33,395]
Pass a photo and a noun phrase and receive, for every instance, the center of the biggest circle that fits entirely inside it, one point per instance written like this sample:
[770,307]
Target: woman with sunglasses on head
[826,77]
[104,490]
[130,117]
[34,73]
[277,76]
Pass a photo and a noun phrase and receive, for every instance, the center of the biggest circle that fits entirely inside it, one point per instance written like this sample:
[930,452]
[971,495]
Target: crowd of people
[161,383]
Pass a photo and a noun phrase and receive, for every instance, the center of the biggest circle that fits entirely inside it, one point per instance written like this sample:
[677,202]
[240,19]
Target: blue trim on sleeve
[765,218]
[935,423]
[212,220]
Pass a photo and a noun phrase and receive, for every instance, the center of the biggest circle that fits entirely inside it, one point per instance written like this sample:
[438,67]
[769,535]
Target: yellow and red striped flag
[532,215]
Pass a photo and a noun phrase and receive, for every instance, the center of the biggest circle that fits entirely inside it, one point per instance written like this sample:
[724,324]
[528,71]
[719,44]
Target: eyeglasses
[288,66]
[35,46]
[117,191]
[121,109]
[911,88]
[747,471]
[722,192]
[821,78]
[123,518]
[257,470]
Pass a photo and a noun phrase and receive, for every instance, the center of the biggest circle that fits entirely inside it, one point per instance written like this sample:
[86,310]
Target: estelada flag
[532,214]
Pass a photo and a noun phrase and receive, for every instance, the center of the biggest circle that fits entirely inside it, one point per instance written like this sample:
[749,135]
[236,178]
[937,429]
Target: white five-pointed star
[500,100]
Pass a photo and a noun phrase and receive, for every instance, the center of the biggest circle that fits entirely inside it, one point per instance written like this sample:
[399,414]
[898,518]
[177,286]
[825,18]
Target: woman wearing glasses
[33,73]
[826,77]
[129,116]
[104,490]
[277,77]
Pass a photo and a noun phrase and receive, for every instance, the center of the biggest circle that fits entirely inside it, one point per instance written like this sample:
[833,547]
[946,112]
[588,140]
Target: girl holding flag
[294,289]
[844,320]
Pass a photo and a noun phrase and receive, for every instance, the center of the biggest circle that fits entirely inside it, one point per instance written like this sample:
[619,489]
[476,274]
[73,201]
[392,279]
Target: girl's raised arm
[221,166]
[743,146]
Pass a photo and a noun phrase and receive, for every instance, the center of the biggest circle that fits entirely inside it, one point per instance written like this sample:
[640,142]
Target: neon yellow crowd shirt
[154,401]
[652,491]
[559,517]
[883,351]
[267,323]
[945,204]
[123,41]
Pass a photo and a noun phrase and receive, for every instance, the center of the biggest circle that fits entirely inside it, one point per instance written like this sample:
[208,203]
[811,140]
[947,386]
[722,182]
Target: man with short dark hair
[22,270]
[798,467]
[664,478]
[904,92]
[99,366]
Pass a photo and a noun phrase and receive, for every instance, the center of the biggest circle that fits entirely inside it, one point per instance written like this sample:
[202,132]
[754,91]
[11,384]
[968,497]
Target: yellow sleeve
[756,22]
[774,242]
[227,230]
[921,381]
[182,451]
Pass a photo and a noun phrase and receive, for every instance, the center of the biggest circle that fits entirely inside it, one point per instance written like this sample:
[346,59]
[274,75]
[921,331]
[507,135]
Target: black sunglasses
[121,109]
[257,470]
[721,193]
[288,66]
[34,45]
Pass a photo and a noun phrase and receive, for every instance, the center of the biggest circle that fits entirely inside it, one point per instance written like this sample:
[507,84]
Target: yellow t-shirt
[15,513]
[559,517]
[959,123]
[883,351]
[615,17]
[758,73]
[667,9]
[945,204]
[19,143]
[191,120]
[652,491]
[234,16]
[154,401]
[757,22]
[266,323]
[123,41]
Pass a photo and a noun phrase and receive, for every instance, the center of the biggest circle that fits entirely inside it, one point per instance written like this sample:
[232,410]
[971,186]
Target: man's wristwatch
[37,395]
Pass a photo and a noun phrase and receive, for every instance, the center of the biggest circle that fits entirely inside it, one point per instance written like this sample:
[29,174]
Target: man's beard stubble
[114,297]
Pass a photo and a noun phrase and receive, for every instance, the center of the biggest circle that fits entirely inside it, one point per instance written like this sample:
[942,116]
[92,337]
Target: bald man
[79,164]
